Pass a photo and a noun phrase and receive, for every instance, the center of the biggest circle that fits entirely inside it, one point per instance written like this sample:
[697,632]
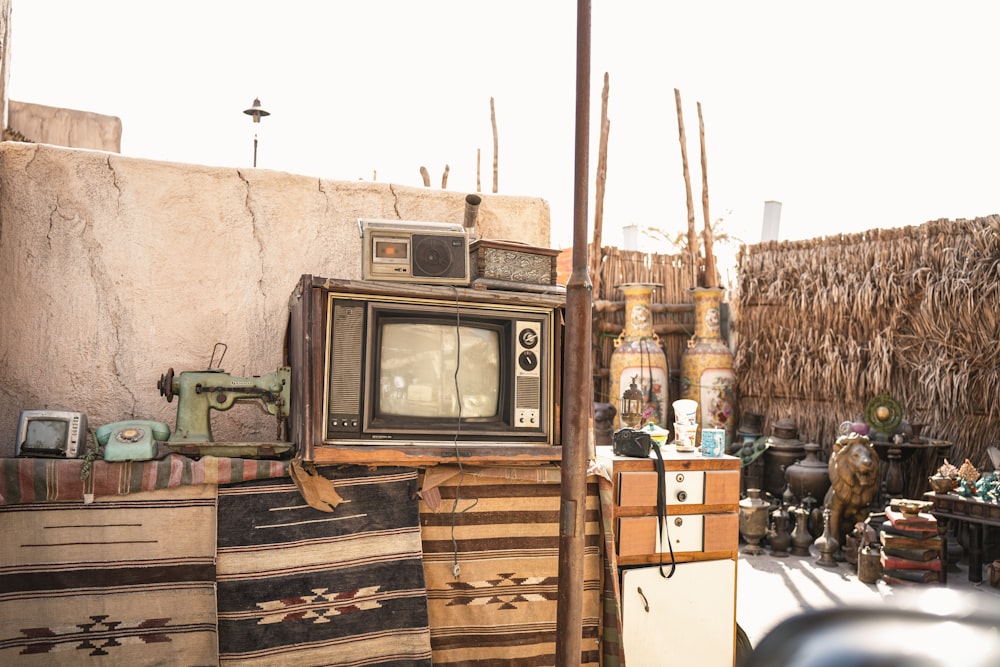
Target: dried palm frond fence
[673,310]
[824,325]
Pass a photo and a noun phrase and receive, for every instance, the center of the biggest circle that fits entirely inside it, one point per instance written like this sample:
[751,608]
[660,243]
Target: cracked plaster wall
[115,269]
[65,127]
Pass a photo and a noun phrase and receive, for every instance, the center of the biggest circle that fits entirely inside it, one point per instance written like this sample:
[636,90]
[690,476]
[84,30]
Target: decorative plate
[883,413]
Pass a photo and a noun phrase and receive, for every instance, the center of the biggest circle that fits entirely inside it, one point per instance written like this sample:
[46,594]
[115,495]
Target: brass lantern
[631,405]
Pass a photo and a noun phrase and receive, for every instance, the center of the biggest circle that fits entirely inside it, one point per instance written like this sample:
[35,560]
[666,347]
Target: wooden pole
[692,234]
[578,381]
[444,177]
[602,176]
[425,176]
[710,275]
[496,145]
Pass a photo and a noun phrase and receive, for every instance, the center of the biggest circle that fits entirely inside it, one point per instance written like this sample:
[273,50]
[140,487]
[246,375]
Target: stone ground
[770,589]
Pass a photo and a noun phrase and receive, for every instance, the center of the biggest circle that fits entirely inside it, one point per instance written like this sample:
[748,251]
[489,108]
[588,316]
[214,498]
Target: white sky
[853,114]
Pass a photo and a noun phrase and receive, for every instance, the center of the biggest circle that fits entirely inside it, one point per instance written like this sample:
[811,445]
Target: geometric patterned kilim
[503,534]
[298,586]
[121,581]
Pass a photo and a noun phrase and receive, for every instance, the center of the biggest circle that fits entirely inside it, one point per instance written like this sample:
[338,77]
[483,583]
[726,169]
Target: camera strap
[661,511]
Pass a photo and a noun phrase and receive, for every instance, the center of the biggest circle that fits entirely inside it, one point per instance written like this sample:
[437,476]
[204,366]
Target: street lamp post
[257,113]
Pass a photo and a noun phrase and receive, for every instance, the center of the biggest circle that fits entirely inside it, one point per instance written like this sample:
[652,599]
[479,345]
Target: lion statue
[854,482]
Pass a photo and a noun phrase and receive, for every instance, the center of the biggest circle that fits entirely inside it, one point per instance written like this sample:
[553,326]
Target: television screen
[417,371]
[48,434]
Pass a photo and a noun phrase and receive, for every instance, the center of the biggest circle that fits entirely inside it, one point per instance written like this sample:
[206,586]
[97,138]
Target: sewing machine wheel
[166,385]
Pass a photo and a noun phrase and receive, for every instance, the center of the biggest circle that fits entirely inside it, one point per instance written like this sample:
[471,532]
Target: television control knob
[528,338]
[527,360]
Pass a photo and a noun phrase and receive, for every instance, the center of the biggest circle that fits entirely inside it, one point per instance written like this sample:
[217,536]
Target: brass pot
[941,484]
[809,476]
[753,521]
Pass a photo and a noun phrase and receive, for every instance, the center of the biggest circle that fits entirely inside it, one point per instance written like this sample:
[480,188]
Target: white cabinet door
[684,621]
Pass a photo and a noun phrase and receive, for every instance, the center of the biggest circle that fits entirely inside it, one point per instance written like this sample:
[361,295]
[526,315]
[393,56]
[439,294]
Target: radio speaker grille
[528,393]
[345,359]
[439,256]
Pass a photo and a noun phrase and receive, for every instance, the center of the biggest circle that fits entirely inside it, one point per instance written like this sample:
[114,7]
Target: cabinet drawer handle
[680,477]
[678,522]
[682,495]
[645,602]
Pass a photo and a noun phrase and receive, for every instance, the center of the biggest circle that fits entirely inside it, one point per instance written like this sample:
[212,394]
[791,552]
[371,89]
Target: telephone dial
[133,440]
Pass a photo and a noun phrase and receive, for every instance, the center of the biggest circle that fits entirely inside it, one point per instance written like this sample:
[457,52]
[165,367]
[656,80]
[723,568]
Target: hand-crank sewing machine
[199,392]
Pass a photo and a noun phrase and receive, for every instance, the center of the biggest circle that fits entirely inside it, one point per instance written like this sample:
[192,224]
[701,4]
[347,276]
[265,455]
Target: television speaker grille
[528,393]
[345,359]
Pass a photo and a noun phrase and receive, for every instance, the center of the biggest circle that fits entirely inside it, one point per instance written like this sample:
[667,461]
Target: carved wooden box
[511,264]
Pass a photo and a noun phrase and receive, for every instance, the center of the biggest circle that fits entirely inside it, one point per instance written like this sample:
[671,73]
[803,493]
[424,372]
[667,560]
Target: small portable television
[51,434]
[384,364]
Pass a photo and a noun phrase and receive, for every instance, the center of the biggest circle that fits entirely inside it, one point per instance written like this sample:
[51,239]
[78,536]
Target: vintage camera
[630,442]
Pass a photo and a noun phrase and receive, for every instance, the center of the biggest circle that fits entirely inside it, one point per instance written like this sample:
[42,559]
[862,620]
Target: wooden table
[976,512]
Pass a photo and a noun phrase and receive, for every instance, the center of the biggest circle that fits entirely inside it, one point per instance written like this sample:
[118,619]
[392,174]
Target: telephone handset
[133,440]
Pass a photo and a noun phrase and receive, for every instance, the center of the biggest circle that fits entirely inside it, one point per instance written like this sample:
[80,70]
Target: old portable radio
[435,253]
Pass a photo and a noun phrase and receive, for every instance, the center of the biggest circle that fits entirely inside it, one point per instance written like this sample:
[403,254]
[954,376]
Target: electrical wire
[456,568]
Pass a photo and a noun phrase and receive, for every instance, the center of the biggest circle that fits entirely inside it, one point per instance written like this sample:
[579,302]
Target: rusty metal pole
[578,392]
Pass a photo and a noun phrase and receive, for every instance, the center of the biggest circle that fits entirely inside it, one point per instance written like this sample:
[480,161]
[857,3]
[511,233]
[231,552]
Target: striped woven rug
[297,586]
[503,534]
[29,480]
[121,581]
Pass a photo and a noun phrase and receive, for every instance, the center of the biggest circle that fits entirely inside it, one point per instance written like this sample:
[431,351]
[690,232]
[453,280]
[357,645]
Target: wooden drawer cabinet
[684,619]
[680,621]
[693,535]
[703,496]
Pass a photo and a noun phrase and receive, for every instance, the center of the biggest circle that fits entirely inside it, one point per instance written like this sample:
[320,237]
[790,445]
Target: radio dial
[527,360]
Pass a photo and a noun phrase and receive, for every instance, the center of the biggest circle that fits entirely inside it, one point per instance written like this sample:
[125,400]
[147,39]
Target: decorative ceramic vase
[753,521]
[707,365]
[809,476]
[638,355]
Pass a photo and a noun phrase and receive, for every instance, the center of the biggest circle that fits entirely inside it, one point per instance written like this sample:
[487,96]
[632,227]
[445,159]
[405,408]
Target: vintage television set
[424,370]
[51,434]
